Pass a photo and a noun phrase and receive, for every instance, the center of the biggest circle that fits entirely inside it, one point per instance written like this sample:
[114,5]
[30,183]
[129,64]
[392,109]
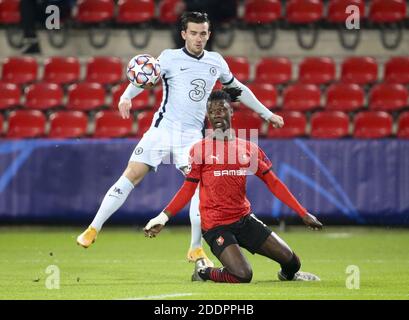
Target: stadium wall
[342,181]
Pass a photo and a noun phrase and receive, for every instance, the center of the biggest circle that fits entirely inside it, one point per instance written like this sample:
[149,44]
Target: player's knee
[244,274]
[294,264]
[135,172]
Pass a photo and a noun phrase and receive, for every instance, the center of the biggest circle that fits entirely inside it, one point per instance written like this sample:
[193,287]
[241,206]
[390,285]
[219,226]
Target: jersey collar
[192,55]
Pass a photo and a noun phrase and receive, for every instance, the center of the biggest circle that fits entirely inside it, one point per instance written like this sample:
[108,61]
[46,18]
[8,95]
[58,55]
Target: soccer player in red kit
[220,163]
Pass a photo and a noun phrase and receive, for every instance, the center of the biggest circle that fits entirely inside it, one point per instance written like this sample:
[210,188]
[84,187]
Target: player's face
[196,36]
[219,113]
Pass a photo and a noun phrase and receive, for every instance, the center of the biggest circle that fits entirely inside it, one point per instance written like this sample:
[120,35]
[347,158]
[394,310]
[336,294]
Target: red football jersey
[222,168]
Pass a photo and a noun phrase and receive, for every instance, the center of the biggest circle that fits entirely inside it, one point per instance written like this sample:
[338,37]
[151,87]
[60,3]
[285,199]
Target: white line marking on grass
[338,235]
[160,296]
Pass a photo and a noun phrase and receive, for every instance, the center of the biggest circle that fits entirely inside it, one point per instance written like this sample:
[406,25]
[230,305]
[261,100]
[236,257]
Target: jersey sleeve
[226,77]
[264,163]
[164,61]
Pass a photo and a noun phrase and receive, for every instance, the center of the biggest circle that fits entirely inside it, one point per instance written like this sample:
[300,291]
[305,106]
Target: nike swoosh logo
[183,69]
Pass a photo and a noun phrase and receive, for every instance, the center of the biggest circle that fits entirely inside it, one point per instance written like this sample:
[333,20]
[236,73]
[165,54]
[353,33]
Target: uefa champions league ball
[143,71]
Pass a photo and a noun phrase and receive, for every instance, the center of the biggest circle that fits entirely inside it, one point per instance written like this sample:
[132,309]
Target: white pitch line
[161,296]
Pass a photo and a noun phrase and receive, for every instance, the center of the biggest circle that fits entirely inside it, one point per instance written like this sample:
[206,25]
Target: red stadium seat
[9,95]
[294,125]
[104,70]
[301,97]
[246,120]
[135,11]
[329,125]
[387,10]
[43,96]
[110,124]
[317,70]
[372,124]
[68,124]
[266,93]
[140,102]
[388,97]
[359,70]
[337,12]
[1,124]
[345,97]
[10,11]
[304,11]
[158,94]
[26,124]
[169,11]
[397,70]
[274,70]
[94,11]
[403,125]
[144,122]
[61,70]
[261,11]
[85,96]
[240,67]
[19,70]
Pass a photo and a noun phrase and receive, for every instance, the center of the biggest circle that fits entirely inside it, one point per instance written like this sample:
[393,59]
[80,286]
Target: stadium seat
[301,97]
[95,11]
[157,93]
[43,96]
[104,70]
[295,123]
[19,70]
[168,11]
[317,70]
[10,11]
[110,124]
[85,96]
[135,11]
[140,102]
[382,11]
[246,120]
[329,125]
[144,121]
[359,70]
[388,97]
[266,93]
[304,11]
[61,70]
[261,12]
[372,124]
[337,10]
[68,124]
[345,97]
[26,124]
[273,70]
[240,67]
[9,95]
[403,125]
[397,70]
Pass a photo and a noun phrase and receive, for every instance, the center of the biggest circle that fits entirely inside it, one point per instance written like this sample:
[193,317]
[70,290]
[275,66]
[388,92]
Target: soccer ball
[143,71]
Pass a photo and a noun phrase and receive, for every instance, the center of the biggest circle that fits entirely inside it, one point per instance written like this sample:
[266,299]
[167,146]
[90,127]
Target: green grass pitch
[123,264]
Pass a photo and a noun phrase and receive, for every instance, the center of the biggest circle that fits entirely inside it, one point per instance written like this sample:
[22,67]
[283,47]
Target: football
[143,71]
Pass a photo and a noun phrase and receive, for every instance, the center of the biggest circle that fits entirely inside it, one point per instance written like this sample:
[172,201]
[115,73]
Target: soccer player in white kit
[189,75]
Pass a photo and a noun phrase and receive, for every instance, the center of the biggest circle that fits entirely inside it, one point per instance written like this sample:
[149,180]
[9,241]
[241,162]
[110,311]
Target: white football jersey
[187,83]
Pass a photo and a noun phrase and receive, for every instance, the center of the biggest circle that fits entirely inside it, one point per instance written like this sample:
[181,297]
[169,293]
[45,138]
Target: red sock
[219,275]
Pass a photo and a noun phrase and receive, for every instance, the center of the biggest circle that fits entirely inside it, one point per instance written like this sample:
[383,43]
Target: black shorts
[249,233]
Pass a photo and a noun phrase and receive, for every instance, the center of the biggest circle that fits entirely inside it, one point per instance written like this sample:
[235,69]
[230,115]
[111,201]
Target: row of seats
[255,11]
[109,124]
[88,96]
[272,70]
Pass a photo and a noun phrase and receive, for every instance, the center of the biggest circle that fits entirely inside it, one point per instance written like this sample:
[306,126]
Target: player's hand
[277,121]
[155,225]
[124,107]
[312,222]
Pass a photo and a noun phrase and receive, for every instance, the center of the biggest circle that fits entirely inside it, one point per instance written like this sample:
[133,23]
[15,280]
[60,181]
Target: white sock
[113,200]
[194,214]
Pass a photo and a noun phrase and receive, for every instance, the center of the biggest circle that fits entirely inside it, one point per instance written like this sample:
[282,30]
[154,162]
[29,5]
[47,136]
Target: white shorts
[165,145]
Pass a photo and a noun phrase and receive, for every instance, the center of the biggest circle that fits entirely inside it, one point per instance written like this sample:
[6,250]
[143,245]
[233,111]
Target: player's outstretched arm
[251,101]
[125,102]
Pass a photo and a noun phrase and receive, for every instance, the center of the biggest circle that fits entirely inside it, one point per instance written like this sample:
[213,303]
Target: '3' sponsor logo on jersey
[198,92]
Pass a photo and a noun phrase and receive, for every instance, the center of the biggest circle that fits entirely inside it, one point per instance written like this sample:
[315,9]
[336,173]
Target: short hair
[229,94]
[195,17]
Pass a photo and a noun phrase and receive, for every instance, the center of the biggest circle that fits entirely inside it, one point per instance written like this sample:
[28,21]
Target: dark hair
[195,17]
[228,94]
